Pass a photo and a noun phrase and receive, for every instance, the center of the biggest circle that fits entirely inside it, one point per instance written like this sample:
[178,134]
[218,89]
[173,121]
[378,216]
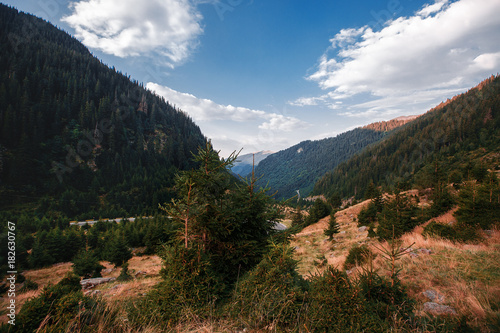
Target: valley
[391,226]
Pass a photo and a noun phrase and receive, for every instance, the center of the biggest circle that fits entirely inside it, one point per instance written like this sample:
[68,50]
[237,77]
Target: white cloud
[232,127]
[168,28]
[206,110]
[446,46]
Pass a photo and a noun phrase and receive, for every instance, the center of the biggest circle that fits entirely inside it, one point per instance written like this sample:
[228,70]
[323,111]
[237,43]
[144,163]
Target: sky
[267,74]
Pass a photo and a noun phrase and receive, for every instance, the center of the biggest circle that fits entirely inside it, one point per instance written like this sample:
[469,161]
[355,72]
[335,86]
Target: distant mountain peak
[243,164]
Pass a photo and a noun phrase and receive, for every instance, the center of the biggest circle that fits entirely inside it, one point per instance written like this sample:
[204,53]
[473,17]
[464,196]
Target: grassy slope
[468,275]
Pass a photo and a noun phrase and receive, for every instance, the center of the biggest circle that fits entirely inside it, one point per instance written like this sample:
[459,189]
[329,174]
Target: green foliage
[333,226]
[358,255]
[230,221]
[297,217]
[272,294]
[442,202]
[385,299]
[79,135]
[117,251]
[318,211]
[479,204]
[52,299]
[398,216]
[124,274]
[458,233]
[190,286]
[337,305]
[335,201]
[86,264]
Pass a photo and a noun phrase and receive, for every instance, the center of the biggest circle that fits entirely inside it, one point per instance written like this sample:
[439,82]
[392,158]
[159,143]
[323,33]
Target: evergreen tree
[318,211]
[398,216]
[333,226]
[86,264]
[117,251]
[297,217]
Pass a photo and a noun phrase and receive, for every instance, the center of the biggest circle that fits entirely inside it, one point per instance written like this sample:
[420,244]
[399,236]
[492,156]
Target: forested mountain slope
[452,142]
[77,136]
[298,167]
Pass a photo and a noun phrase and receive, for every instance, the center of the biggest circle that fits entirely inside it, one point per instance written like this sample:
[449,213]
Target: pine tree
[333,226]
[86,264]
[117,251]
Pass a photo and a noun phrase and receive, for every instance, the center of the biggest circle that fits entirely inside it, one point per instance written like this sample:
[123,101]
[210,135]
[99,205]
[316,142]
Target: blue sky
[267,74]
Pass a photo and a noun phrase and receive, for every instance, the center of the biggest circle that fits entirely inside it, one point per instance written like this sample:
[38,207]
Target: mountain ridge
[298,167]
[457,135]
[79,131]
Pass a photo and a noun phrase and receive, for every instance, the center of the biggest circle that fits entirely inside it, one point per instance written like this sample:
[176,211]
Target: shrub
[190,286]
[28,285]
[357,255]
[459,233]
[271,295]
[124,275]
[336,305]
[386,299]
[36,309]
[86,264]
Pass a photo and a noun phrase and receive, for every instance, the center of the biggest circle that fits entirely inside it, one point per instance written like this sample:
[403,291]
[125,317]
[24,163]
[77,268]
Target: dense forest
[456,141]
[300,166]
[78,138]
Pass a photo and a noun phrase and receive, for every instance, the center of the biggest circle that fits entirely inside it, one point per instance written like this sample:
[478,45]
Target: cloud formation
[201,109]
[446,46]
[230,126]
[168,28]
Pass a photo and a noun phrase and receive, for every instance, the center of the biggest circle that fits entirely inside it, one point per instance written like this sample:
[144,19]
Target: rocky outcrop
[91,283]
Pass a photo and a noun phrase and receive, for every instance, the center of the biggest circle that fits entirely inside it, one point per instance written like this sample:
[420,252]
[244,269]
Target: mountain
[244,163]
[300,166]
[450,143]
[386,126]
[79,138]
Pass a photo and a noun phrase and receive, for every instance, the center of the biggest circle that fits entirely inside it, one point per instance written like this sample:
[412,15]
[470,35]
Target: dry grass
[468,275]
[311,241]
[150,265]
[44,276]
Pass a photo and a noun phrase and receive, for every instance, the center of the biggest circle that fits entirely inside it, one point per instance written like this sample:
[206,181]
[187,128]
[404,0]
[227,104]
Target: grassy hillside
[467,275]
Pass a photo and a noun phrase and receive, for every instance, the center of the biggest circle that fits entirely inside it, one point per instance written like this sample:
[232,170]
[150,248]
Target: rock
[115,287]
[362,229]
[140,273]
[438,309]
[413,254]
[434,296]
[91,283]
[92,292]
[342,232]
[296,248]
[332,255]
[107,271]
[308,242]
[425,251]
